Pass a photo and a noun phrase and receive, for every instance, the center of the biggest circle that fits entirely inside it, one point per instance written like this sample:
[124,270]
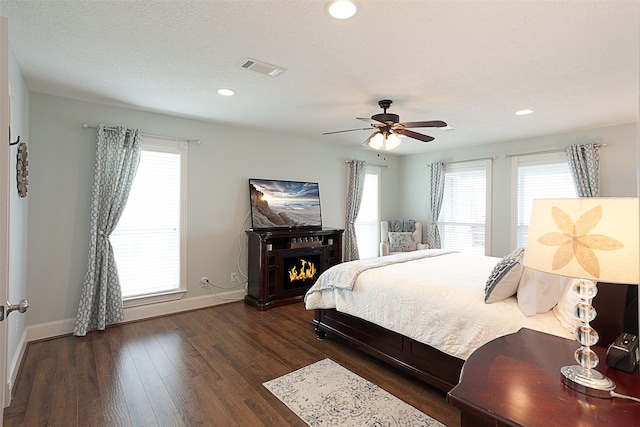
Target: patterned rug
[326,394]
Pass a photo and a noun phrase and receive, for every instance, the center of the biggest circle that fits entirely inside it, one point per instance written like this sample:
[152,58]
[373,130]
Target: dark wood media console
[283,264]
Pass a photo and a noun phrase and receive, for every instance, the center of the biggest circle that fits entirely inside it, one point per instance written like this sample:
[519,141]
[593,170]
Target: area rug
[327,394]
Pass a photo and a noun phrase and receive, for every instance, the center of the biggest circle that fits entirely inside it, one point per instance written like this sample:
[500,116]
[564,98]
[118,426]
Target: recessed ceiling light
[523,112]
[226,92]
[341,9]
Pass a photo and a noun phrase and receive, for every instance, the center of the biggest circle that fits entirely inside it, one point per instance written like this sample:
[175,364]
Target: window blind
[464,212]
[367,223]
[147,239]
[540,176]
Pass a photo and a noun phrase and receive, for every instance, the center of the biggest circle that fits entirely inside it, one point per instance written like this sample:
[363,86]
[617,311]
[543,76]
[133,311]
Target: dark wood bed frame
[441,370]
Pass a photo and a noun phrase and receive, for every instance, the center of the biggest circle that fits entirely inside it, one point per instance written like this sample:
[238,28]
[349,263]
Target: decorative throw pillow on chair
[401,241]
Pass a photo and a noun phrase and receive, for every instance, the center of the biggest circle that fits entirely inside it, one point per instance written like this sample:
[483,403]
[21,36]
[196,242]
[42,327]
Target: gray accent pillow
[400,225]
[505,277]
[401,242]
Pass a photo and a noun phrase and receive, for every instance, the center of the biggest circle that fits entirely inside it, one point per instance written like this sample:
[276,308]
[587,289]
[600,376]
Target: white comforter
[433,296]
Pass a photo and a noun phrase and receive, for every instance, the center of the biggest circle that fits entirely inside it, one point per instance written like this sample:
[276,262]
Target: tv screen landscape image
[284,204]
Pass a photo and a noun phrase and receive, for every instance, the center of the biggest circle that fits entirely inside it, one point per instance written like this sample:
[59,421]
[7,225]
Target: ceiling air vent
[263,67]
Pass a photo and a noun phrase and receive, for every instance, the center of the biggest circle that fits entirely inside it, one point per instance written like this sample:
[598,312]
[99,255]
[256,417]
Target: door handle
[21,307]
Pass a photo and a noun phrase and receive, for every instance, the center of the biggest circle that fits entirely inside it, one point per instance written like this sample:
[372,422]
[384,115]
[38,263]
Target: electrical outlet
[234,277]
[204,282]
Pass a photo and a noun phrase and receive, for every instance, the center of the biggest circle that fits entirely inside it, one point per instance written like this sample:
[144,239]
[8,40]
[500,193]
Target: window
[537,176]
[148,242]
[368,221]
[465,210]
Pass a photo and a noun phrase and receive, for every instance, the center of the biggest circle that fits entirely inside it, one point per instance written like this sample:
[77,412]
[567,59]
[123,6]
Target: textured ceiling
[469,63]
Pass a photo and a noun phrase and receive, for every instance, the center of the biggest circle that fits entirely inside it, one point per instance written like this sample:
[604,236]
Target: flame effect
[307,271]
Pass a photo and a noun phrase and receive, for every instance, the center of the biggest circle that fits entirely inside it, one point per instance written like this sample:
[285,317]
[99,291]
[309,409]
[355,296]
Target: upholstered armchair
[398,235]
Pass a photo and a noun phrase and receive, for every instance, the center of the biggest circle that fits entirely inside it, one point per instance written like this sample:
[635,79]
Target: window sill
[153,299]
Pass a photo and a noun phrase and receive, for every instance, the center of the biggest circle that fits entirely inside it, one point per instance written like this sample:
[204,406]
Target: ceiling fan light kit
[376,141]
[384,142]
[388,129]
[392,141]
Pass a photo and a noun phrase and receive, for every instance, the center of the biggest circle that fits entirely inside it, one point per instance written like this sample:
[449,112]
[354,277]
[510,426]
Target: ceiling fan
[389,128]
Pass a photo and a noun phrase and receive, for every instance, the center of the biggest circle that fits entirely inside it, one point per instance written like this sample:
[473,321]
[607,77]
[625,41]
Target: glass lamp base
[589,382]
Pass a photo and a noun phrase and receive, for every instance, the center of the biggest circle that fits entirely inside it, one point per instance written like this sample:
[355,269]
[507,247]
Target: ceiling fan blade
[430,124]
[366,141]
[348,130]
[414,135]
[371,121]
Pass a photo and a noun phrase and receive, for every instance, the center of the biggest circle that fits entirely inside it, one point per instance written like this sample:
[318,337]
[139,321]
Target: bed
[423,311]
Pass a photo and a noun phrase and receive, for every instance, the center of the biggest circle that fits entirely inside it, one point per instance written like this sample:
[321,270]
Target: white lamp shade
[388,142]
[587,238]
[376,141]
[393,141]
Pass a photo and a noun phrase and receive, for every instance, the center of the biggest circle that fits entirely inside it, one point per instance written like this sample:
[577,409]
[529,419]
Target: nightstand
[515,381]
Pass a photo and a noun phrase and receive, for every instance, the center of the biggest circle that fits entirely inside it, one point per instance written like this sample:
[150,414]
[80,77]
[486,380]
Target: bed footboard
[420,360]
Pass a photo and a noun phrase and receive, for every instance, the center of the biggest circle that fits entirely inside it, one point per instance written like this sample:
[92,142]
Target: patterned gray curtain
[584,162]
[357,173]
[117,158]
[435,204]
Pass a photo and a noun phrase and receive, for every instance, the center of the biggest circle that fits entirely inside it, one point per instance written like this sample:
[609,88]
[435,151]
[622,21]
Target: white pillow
[503,280]
[539,292]
[565,309]
[401,241]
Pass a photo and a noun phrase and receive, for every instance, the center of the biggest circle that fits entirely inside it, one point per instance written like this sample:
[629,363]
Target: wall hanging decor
[22,170]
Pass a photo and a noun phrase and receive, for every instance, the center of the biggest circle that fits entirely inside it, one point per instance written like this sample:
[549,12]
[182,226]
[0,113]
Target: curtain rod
[469,160]
[150,135]
[371,164]
[557,150]
[473,160]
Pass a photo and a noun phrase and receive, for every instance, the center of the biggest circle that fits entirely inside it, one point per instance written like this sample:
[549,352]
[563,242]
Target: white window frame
[181,148]
[548,158]
[485,164]
[372,170]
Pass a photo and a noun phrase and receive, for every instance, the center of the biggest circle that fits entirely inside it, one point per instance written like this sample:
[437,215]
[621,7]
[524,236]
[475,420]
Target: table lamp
[590,239]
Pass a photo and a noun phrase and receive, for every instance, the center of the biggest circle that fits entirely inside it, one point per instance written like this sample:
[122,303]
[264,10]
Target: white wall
[61,173]
[18,214]
[618,169]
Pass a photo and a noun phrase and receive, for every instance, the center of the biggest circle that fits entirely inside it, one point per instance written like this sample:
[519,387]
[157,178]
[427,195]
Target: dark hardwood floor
[203,367]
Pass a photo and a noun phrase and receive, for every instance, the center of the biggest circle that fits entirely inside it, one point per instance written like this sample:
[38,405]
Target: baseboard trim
[142,312]
[14,367]
[65,327]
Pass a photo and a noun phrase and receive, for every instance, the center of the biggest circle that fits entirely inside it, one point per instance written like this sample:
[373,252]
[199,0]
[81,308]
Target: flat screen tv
[277,204]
